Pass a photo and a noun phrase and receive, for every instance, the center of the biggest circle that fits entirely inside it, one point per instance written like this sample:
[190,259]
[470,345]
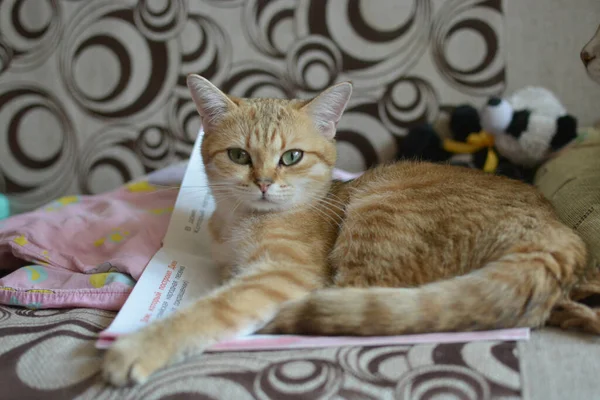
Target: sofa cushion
[571,181]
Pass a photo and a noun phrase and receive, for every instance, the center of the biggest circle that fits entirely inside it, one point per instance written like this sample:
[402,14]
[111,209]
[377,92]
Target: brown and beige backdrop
[92,93]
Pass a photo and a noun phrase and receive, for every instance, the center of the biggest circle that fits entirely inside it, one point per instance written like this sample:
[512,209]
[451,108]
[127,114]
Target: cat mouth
[264,200]
[267,205]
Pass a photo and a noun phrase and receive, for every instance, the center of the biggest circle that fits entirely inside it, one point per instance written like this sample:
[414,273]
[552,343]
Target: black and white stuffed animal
[462,143]
[528,126]
[509,137]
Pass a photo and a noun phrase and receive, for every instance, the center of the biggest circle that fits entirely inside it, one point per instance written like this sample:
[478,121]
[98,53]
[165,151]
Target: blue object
[4,207]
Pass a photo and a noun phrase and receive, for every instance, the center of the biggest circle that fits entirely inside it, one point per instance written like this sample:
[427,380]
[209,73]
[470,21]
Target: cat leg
[240,307]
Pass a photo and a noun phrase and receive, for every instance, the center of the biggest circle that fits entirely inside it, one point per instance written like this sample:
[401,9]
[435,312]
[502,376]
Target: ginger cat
[405,248]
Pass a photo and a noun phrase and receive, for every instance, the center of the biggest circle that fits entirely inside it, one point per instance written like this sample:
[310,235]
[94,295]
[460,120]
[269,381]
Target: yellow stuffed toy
[474,143]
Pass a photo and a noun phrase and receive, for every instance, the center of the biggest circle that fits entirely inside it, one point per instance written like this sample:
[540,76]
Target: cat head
[268,154]
[590,56]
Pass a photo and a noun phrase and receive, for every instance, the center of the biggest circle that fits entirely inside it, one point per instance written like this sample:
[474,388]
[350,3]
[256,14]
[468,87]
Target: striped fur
[405,248]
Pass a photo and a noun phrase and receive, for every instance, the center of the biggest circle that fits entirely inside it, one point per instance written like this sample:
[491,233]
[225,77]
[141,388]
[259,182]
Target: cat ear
[211,103]
[327,108]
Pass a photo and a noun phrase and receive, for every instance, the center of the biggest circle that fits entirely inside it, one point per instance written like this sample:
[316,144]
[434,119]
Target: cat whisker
[210,185]
[335,199]
[328,217]
[240,201]
[164,188]
[333,214]
[333,206]
[342,211]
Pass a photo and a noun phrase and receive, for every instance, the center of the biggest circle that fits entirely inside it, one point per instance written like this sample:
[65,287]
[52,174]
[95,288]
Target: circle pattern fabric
[93,93]
[50,354]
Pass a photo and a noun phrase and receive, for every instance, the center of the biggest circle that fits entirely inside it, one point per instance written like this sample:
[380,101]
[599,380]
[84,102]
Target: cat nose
[263,184]
[586,57]
[264,187]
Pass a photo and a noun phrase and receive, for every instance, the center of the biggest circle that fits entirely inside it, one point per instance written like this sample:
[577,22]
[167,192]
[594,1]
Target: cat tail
[518,290]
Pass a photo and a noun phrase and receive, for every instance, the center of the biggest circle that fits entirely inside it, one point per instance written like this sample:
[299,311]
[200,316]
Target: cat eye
[239,156]
[291,157]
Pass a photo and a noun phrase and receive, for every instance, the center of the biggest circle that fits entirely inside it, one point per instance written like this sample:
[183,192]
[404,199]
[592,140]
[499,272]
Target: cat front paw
[133,358]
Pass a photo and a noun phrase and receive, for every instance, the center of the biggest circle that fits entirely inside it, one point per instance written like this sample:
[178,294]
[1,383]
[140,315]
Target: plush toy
[509,137]
[528,127]
[468,145]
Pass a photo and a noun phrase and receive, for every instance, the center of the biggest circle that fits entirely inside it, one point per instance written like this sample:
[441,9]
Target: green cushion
[571,181]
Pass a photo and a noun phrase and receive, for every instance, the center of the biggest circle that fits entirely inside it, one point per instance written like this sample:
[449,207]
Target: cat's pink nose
[263,184]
